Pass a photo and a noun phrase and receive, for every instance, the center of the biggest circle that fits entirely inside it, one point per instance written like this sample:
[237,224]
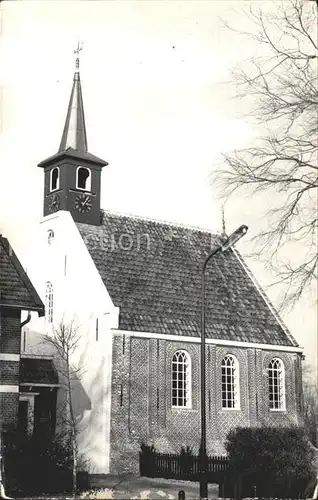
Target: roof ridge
[160,221]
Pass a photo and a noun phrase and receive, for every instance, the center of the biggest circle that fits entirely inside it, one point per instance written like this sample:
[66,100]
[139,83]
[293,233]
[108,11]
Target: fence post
[254,491]
[238,488]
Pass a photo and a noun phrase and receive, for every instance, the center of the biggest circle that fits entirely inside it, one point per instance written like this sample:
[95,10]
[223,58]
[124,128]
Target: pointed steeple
[72,177]
[74,133]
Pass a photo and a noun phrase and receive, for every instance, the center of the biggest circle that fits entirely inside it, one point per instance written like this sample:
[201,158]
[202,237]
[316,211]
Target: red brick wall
[10,341]
[9,372]
[10,338]
[141,398]
[9,403]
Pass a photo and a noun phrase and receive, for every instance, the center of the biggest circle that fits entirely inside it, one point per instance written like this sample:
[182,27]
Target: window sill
[177,409]
[279,410]
[231,409]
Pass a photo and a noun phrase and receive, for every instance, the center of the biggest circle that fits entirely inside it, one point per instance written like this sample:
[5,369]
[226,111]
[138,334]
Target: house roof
[16,289]
[152,271]
[37,371]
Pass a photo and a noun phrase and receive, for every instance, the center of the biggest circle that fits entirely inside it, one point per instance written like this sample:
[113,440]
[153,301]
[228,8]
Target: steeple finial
[77,51]
[74,133]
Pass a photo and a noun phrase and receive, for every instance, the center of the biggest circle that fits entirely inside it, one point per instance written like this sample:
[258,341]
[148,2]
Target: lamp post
[231,240]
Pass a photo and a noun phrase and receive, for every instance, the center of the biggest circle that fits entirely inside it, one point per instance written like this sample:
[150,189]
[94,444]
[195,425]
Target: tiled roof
[152,271]
[16,290]
[37,371]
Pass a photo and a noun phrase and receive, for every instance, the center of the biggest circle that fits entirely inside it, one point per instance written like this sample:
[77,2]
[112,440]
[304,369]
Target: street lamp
[231,240]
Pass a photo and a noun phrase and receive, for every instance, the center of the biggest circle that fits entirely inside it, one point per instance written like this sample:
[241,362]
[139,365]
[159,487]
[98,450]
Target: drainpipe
[22,325]
[27,320]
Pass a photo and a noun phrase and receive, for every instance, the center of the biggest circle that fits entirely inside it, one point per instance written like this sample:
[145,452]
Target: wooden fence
[185,466]
[181,466]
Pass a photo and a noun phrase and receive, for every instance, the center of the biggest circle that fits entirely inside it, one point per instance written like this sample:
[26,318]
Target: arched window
[55,179]
[230,383]
[83,178]
[49,299]
[181,380]
[276,381]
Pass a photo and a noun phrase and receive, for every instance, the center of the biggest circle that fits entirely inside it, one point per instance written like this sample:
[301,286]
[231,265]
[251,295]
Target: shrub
[147,448]
[33,467]
[188,451]
[147,460]
[278,461]
[186,461]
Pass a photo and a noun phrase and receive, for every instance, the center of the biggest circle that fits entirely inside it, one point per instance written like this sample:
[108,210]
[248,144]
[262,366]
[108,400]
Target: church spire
[74,133]
[72,177]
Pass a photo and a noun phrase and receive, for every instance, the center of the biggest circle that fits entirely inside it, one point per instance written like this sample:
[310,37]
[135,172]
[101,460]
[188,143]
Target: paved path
[130,487]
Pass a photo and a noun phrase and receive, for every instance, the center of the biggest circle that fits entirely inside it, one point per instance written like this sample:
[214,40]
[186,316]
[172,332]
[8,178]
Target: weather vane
[77,51]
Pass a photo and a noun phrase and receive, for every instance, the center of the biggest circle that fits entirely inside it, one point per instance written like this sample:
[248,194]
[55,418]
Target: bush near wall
[277,462]
[33,467]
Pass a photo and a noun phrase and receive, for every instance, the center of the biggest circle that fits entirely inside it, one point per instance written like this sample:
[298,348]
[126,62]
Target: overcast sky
[156,109]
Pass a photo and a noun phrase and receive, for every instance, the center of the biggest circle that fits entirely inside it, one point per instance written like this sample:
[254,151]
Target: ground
[144,487]
[130,487]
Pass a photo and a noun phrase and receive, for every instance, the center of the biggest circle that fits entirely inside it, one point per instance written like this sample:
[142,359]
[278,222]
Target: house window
[230,383]
[276,381]
[49,302]
[55,179]
[83,178]
[181,380]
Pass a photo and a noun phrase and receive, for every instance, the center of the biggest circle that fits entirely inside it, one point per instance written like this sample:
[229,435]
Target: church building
[132,288]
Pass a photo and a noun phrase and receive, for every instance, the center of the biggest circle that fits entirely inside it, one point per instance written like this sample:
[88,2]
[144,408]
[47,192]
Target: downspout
[256,395]
[22,325]
[28,319]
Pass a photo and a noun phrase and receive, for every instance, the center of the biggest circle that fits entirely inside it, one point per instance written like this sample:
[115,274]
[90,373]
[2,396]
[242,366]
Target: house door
[23,418]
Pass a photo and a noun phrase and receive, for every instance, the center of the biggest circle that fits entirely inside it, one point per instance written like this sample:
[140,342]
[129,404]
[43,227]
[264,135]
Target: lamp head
[234,237]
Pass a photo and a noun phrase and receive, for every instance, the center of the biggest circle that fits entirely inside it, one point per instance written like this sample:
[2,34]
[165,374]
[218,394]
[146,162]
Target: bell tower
[72,177]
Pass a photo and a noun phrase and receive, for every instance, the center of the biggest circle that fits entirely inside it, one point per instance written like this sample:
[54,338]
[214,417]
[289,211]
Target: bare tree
[65,341]
[311,411]
[279,86]
[310,404]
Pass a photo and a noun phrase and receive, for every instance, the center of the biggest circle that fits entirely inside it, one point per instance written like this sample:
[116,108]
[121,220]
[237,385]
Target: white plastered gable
[60,256]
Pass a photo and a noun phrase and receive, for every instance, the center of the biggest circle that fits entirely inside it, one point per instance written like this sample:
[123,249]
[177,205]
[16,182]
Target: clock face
[83,203]
[54,203]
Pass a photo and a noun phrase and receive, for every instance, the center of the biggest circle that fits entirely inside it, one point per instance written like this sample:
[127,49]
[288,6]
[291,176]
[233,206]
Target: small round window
[50,236]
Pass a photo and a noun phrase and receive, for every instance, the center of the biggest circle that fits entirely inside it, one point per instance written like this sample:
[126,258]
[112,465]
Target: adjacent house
[17,294]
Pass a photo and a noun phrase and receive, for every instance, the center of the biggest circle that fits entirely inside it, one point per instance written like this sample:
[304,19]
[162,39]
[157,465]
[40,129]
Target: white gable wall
[81,298]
